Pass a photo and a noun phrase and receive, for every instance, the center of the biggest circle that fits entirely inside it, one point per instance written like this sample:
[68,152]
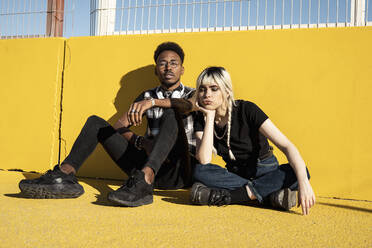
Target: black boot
[53,184]
[134,192]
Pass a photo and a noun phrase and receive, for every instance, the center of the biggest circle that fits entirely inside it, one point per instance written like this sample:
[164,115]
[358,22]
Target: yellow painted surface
[30,78]
[315,84]
[90,221]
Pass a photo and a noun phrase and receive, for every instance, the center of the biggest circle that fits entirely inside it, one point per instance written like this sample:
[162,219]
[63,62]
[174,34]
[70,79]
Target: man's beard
[169,85]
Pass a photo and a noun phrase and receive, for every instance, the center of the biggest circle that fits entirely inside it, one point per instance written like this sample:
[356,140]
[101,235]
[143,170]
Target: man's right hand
[136,111]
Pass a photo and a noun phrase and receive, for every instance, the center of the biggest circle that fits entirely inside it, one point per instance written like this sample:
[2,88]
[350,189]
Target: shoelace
[52,174]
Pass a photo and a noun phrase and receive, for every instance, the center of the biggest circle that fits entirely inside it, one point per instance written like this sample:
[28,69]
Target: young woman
[238,131]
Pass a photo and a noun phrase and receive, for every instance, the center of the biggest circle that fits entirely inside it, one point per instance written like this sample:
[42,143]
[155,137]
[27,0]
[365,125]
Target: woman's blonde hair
[221,77]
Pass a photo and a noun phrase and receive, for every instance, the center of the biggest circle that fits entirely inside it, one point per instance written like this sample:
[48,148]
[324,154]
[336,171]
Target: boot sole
[144,201]
[44,192]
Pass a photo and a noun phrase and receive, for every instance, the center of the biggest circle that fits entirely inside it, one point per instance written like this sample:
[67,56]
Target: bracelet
[151,99]
[122,130]
[138,143]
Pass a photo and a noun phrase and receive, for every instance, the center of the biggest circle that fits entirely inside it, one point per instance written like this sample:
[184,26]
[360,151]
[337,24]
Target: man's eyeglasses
[172,64]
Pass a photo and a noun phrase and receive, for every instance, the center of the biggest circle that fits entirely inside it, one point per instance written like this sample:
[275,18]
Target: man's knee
[104,129]
[96,120]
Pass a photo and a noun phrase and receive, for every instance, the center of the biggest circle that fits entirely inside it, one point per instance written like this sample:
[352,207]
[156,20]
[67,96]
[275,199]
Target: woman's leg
[273,181]
[269,178]
[217,186]
[214,176]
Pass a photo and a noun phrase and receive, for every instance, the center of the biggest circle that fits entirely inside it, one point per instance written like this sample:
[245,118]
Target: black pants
[167,158]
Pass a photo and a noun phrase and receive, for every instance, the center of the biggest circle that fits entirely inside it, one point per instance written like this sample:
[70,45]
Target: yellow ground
[90,221]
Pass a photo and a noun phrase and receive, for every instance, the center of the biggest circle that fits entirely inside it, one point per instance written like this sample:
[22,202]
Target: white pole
[352,12]
[360,12]
[105,16]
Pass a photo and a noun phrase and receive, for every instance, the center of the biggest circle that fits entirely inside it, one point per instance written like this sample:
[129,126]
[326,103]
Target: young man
[159,159]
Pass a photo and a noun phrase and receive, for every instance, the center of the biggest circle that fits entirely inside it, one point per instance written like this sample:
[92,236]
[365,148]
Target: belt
[268,154]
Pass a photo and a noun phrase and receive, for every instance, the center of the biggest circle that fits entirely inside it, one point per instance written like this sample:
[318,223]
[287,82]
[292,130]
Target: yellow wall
[30,78]
[313,83]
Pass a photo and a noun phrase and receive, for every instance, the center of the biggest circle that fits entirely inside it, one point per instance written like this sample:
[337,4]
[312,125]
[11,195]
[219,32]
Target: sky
[221,14]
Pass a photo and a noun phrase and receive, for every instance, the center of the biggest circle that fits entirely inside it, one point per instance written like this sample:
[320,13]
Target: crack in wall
[63,147]
[58,97]
[61,106]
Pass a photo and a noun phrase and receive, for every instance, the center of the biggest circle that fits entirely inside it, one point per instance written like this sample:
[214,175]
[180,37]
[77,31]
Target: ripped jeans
[266,178]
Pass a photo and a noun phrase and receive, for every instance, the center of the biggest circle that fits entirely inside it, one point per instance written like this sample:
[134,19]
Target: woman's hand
[306,197]
[207,112]
[204,140]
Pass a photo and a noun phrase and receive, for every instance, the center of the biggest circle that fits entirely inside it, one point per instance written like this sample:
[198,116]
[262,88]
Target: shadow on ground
[181,197]
[175,196]
[104,187]
[27,175]
[346,207]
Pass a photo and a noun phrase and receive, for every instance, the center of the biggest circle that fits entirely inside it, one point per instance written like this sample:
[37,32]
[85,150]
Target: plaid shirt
[154,114]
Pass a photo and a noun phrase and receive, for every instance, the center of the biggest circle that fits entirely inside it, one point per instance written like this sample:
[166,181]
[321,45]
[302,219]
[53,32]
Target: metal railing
[36,18]
[46,18]
[110,17]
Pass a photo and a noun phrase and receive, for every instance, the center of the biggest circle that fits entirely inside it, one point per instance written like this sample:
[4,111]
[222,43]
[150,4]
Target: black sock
[239,195]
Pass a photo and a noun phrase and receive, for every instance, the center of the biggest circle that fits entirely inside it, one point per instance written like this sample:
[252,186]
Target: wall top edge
[221,32]
[34,39]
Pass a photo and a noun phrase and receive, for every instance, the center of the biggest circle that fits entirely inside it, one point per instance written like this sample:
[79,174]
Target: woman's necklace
[223,135]
[220,121]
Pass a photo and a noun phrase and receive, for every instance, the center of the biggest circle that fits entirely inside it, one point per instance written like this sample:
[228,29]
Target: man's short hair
[169,46]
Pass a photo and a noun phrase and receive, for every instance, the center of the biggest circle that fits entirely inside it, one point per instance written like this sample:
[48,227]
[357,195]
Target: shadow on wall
[99,164]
